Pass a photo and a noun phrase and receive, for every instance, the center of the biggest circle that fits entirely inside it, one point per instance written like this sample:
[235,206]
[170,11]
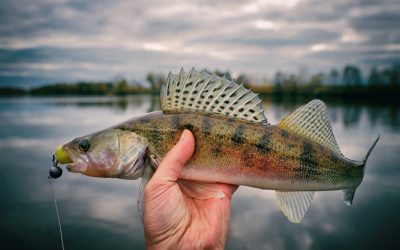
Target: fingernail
[183,135]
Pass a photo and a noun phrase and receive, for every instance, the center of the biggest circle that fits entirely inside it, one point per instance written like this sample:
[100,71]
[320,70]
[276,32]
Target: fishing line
[58,216]
[55,172]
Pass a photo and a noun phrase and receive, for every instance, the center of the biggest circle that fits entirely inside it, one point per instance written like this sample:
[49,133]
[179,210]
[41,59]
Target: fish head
[112,153]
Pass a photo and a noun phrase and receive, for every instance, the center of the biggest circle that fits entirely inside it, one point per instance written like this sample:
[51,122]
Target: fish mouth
[71,167]
[64,156]
[74,165]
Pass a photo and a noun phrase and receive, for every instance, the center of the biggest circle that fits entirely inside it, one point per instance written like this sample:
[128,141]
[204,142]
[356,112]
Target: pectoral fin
[148,172]
[294,205]
[348,196]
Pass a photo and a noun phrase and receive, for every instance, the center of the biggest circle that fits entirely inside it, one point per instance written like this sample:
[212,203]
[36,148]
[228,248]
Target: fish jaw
[78,163]
[71,167]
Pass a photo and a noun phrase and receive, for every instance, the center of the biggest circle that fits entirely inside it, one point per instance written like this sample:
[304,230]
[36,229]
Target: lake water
[102,213]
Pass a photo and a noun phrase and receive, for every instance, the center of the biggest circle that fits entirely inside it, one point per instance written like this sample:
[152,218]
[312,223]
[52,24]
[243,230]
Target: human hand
[175,220]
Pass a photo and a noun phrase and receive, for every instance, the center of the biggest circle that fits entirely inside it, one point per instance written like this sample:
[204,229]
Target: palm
[181,221]
[174,217]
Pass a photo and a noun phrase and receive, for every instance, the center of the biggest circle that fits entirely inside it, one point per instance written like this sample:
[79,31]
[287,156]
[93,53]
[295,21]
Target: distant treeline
[381,83]
[81,88]
[86,88]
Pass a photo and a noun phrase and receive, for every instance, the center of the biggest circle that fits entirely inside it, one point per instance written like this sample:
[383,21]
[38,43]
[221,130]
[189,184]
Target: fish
[234,144]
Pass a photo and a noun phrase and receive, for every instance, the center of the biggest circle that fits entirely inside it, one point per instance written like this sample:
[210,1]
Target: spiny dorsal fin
[294,205]
[311,121]
[205,93]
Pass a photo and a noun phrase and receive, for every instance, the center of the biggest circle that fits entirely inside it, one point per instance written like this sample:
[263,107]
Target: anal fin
[294,205]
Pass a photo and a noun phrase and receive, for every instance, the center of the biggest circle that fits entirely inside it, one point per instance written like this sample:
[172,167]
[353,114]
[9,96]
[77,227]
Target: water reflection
[120,103]
[101,213]
[348,113]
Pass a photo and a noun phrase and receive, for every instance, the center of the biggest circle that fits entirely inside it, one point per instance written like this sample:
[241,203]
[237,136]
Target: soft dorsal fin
[311,121]
[294,204]
[205,93]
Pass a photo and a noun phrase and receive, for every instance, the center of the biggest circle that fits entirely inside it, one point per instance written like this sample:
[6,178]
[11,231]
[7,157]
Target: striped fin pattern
[150,167]
[311,121]
[294,205]
[205,93]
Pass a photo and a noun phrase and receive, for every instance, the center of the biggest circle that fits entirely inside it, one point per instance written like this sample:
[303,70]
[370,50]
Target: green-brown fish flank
[268,153]
[234,144]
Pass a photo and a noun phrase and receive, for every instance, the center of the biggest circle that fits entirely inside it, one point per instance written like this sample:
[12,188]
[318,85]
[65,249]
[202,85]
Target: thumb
[172,164]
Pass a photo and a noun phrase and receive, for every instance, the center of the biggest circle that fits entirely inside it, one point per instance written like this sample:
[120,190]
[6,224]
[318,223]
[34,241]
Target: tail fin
[348,194]
[370,150]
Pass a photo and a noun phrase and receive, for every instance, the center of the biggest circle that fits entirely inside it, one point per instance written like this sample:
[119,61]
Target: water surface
[102,213]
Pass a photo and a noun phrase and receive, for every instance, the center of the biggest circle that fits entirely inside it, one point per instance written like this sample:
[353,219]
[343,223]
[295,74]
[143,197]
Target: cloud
[61,40]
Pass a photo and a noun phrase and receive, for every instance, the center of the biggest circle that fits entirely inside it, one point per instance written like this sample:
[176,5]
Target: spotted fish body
[234,144]
[243,153]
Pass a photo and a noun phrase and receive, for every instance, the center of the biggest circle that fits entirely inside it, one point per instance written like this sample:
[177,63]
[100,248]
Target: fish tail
[308,121]
[348,194]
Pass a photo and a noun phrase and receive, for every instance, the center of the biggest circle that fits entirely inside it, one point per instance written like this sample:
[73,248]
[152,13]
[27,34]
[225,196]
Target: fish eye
[84,145]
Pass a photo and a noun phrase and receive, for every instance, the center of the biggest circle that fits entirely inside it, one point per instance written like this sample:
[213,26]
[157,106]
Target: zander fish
[234,144]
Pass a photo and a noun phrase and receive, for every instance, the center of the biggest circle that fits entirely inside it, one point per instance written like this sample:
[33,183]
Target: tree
[242,78]
[291,82]
[316,80]
[121,87]
[290,85]
[279,78]
[352,75]
[334,77]
[227,74]
[394,77]
[278,82]
[155,81]
[374,77]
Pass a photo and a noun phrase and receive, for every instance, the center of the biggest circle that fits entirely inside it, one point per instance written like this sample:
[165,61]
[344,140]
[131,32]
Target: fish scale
[248,151]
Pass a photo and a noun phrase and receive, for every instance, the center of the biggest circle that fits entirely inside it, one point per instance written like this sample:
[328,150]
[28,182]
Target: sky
[46,41]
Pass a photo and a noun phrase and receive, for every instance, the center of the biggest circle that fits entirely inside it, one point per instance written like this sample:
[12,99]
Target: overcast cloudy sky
[44,41]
